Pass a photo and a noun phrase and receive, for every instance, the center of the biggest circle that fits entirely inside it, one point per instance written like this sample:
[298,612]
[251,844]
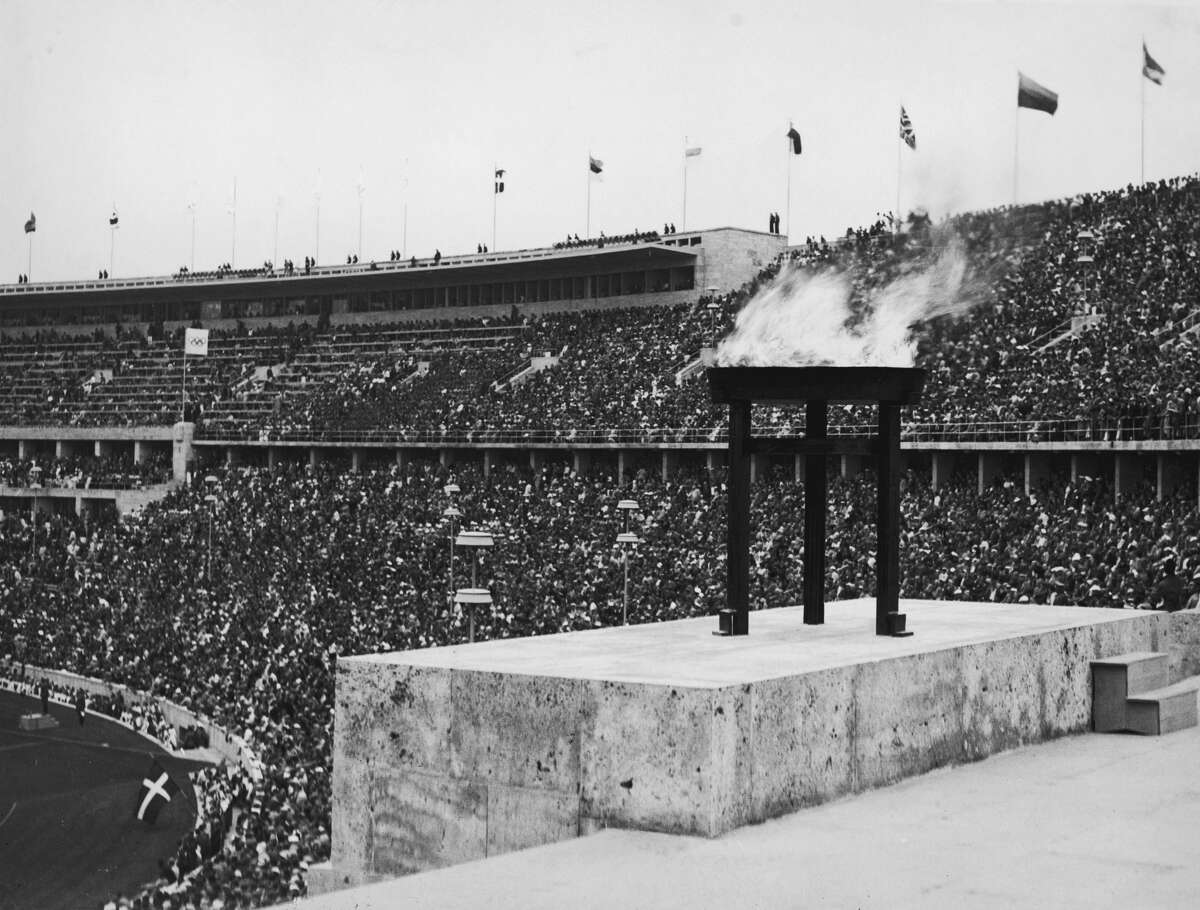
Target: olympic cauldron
[817,386]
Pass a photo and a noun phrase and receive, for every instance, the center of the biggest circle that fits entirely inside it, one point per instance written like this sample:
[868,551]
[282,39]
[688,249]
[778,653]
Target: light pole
[210,482]
[1086,260]
[451,512]
[473,595]
[35,484]
[626,539]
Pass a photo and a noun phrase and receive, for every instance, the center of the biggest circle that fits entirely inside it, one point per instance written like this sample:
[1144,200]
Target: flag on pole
[499,185]
[693,152]
[195,342]
[906,130]
[1150,68]
[795,137]
[1034,96]
[112,220]
[31,224]
[595,165]
[157,790]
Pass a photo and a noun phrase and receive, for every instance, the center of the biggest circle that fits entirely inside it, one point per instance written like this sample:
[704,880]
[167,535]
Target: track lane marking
[8,815]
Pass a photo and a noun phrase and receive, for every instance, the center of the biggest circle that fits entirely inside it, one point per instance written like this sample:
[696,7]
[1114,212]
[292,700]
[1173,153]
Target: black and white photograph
[688,455]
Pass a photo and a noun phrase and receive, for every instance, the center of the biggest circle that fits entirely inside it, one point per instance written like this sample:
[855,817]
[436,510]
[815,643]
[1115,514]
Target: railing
[1020,432]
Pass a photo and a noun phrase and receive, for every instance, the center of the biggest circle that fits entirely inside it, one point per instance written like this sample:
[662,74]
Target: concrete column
[231,455]
[25,448]
[582,462]
[712,461]
[272,456]
[1037,469]
[78,506]
[622,466]
[356,459]
[401,458]
[987,467]
[670,463]
[488,458]
[444,458]
[60,448]
[941,466]
[851,466]
[1127,471]
[1168,474]
[96,450]
[139,451]
[182,453]
[758,468]
[536,459]
[798,467]
[314,456]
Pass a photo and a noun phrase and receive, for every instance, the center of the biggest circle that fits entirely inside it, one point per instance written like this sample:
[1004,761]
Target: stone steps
[1131,693]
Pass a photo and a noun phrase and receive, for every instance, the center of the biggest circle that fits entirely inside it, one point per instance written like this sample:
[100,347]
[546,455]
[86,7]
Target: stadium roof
[468,269]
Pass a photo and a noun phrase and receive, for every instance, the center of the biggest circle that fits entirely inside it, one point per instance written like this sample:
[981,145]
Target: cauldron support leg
[815,505]
[888,618]
[737,557]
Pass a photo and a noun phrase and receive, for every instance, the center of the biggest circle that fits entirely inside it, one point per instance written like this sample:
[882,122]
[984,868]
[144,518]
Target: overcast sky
[151,105]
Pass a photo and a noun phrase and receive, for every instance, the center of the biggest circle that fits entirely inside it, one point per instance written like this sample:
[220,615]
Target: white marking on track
[11,809]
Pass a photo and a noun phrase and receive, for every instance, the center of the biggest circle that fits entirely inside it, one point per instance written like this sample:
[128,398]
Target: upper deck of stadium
[627,270]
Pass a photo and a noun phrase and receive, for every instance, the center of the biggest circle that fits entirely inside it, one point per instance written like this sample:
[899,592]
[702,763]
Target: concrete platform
[1082,822]
[449,755]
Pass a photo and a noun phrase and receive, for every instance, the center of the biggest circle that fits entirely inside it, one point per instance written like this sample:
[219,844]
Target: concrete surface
[1096,820]
[449,755]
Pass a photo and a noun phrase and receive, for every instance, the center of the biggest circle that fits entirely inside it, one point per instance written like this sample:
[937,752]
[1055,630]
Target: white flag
[195,342]
[693,152]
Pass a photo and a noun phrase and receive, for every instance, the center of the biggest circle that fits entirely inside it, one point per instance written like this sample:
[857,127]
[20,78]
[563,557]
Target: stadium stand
[237,605]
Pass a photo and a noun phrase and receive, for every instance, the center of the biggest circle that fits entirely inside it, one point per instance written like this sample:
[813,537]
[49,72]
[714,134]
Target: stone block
[350,829]
[425,821]
[521,731]
[393,715]
[732,758]
[802,737]
[1184,646]
[1002,696]
[908,717]
[646,757]
[521,817]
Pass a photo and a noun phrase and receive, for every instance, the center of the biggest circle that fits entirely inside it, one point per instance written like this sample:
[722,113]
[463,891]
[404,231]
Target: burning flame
[806,319]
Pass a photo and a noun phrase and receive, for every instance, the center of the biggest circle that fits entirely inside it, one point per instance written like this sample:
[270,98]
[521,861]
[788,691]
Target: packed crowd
[310,563]
[83,472]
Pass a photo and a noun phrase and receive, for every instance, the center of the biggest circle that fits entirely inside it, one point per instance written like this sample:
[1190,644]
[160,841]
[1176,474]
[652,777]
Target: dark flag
[113,219]
[595,165]
[1150,68]
[157,790]
[31,224]
[906,130]
[1034,96]
[795,137]
[499,185]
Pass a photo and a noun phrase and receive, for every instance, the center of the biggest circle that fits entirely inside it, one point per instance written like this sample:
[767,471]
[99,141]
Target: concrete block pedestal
[453,754]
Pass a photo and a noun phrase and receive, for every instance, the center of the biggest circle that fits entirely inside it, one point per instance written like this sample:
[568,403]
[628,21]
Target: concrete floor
[686,653]
[1087,821]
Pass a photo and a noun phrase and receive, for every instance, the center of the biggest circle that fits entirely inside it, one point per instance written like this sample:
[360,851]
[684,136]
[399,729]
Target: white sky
[152,104]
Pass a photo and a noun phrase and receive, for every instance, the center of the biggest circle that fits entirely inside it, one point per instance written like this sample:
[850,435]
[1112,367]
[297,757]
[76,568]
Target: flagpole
[29,264]
[587,224]
[192,267]
[183,390]
[1016,145]
[1142,82]
[112,243]
[899,167]
[788,206]
[275,249]
[684,222]
[233,240]
[495,193]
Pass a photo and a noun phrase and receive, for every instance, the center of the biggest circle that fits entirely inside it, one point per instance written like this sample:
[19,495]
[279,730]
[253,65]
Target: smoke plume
[812,319]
